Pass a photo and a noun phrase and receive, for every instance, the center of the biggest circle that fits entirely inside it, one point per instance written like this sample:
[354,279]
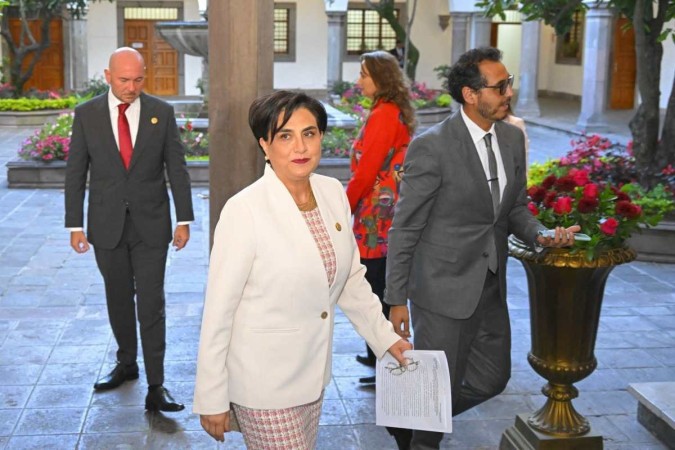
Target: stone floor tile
[634,432]
[48,396]
[626,358]
[32,337]
[118,419]
[77,354]
[503,407]
[8,420]
[106,441]
[26,374]
[70,374]
[346,366]
[10,354]
[131,393]
[14,396]
[331,392]
[51,442]
[337,437]
[50,421]
[360,410]
[176,371]
[369,436]
[197,440]
[350,388]
[333,412]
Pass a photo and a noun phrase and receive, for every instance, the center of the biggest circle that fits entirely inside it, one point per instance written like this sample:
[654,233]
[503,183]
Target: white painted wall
[562,78]
[310,69]
[508,41]
[192,64]
[101,36]
[667,67]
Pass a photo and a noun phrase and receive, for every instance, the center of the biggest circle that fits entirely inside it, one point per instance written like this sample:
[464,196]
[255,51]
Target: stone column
[459,23]
[481,27]
[336,45]
[74,53]
[528,104]
[241,68]
[596,63]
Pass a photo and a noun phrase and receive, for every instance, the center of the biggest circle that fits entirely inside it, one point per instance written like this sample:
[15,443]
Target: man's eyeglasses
[396,369]
[502,85]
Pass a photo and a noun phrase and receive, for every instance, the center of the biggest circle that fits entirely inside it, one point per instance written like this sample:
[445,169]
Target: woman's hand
[397,350]
[216,425]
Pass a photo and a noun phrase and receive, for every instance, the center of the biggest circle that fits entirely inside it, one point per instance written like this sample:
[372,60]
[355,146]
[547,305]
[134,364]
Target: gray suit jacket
[112,189]
[444,221]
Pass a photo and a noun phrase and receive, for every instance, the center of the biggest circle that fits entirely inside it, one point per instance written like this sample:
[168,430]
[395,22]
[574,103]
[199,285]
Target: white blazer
[267,330]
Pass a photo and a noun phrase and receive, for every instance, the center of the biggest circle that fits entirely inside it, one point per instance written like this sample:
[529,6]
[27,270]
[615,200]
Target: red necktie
[124,135]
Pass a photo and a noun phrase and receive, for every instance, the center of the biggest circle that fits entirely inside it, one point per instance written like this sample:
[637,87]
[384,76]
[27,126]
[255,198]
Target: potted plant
[591,186]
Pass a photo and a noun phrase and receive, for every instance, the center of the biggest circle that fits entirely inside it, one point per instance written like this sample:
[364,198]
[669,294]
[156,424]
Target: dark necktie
[124,135]
[494,189]
[494,175]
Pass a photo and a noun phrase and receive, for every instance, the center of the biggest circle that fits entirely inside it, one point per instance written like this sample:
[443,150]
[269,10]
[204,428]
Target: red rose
[548,182]
[563,205]
[566,183]
[580,177]
[622,197]
[549,198]
[587,205]
[627,209]
[591,191]
[536,193]
[609,226]
[533,209]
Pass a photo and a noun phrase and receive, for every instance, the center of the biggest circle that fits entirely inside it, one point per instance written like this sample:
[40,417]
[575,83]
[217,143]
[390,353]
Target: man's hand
[181,236]
[397,350]
[399,317]
[216,425]
[79,242]
[564,237]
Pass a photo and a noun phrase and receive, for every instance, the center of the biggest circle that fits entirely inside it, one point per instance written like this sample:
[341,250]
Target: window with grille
[568,46]
[367,31]
[284,32]
[151,13]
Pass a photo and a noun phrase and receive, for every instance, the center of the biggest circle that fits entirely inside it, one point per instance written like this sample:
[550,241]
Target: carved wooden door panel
[622,93]
[161,60]
[48,72]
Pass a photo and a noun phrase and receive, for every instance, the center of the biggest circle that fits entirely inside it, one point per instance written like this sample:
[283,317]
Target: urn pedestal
[566,292]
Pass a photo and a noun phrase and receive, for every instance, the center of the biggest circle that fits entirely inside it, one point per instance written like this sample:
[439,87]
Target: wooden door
[622,94]
[48,72]
[161,60]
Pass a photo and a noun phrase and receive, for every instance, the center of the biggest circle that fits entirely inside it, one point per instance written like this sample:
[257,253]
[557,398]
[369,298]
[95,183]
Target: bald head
[126,74]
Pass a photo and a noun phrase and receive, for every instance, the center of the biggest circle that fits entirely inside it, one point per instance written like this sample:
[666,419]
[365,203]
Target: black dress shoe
[117,377]
[367,380]
[366,361]
[159,399]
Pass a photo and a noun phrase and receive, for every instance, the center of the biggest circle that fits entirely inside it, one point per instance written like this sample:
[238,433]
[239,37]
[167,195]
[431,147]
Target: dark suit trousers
[375,275]
[134,268]
[478,350]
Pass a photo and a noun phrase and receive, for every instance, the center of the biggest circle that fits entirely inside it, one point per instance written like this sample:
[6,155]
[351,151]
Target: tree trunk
[644,125]
[386,10]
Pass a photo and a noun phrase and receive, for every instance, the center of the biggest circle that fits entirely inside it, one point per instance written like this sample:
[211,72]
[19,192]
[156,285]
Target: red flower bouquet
[582,188]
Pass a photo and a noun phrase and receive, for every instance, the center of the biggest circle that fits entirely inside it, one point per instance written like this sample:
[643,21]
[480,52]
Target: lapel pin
[338,226]
[154,121]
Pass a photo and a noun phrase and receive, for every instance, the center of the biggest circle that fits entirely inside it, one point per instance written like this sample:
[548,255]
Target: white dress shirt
[478,138]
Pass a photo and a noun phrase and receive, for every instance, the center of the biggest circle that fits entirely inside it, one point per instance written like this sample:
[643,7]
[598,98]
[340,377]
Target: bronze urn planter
[565,292]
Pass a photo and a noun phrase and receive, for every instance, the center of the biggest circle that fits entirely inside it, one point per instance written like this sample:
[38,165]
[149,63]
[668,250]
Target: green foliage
[340,87]
[35,104]
[338,142]
[93,87]
[196,142]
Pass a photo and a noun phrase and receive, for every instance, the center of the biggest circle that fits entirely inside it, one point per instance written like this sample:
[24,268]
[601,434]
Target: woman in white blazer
[283,256]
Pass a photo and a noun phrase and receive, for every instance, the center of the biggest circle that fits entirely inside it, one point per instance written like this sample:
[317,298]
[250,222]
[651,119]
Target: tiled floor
[55,342]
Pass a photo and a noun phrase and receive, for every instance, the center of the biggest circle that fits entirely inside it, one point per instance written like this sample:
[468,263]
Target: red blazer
[377,166]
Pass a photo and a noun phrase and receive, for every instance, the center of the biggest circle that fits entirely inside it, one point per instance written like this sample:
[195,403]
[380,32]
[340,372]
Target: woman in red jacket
[377,164]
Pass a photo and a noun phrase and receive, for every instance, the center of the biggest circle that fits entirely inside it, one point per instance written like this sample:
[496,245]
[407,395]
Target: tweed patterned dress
[292,428]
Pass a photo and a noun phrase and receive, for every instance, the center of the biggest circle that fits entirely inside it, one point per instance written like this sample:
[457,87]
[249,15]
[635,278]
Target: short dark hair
[465,71]
[265,111]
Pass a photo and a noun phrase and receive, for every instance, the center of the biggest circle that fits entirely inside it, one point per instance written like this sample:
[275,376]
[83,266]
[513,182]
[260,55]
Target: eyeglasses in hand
[502,85]
[397,369]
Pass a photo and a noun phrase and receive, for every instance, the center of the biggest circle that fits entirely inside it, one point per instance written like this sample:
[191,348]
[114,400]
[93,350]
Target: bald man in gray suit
[462,194]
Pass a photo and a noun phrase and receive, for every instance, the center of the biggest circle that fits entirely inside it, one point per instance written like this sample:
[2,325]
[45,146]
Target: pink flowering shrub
[49,143]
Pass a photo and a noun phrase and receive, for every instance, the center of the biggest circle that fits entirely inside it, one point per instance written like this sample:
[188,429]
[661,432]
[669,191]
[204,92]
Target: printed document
[415,396]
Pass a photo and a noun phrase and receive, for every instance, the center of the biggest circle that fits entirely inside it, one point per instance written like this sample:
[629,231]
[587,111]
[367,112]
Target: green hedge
[36,104]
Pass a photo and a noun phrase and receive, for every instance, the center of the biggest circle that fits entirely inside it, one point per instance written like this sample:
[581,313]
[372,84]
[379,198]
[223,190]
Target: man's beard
[491,114]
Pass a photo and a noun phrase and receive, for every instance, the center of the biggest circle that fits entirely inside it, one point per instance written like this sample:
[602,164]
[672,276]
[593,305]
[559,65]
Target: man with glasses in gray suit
[463,193]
